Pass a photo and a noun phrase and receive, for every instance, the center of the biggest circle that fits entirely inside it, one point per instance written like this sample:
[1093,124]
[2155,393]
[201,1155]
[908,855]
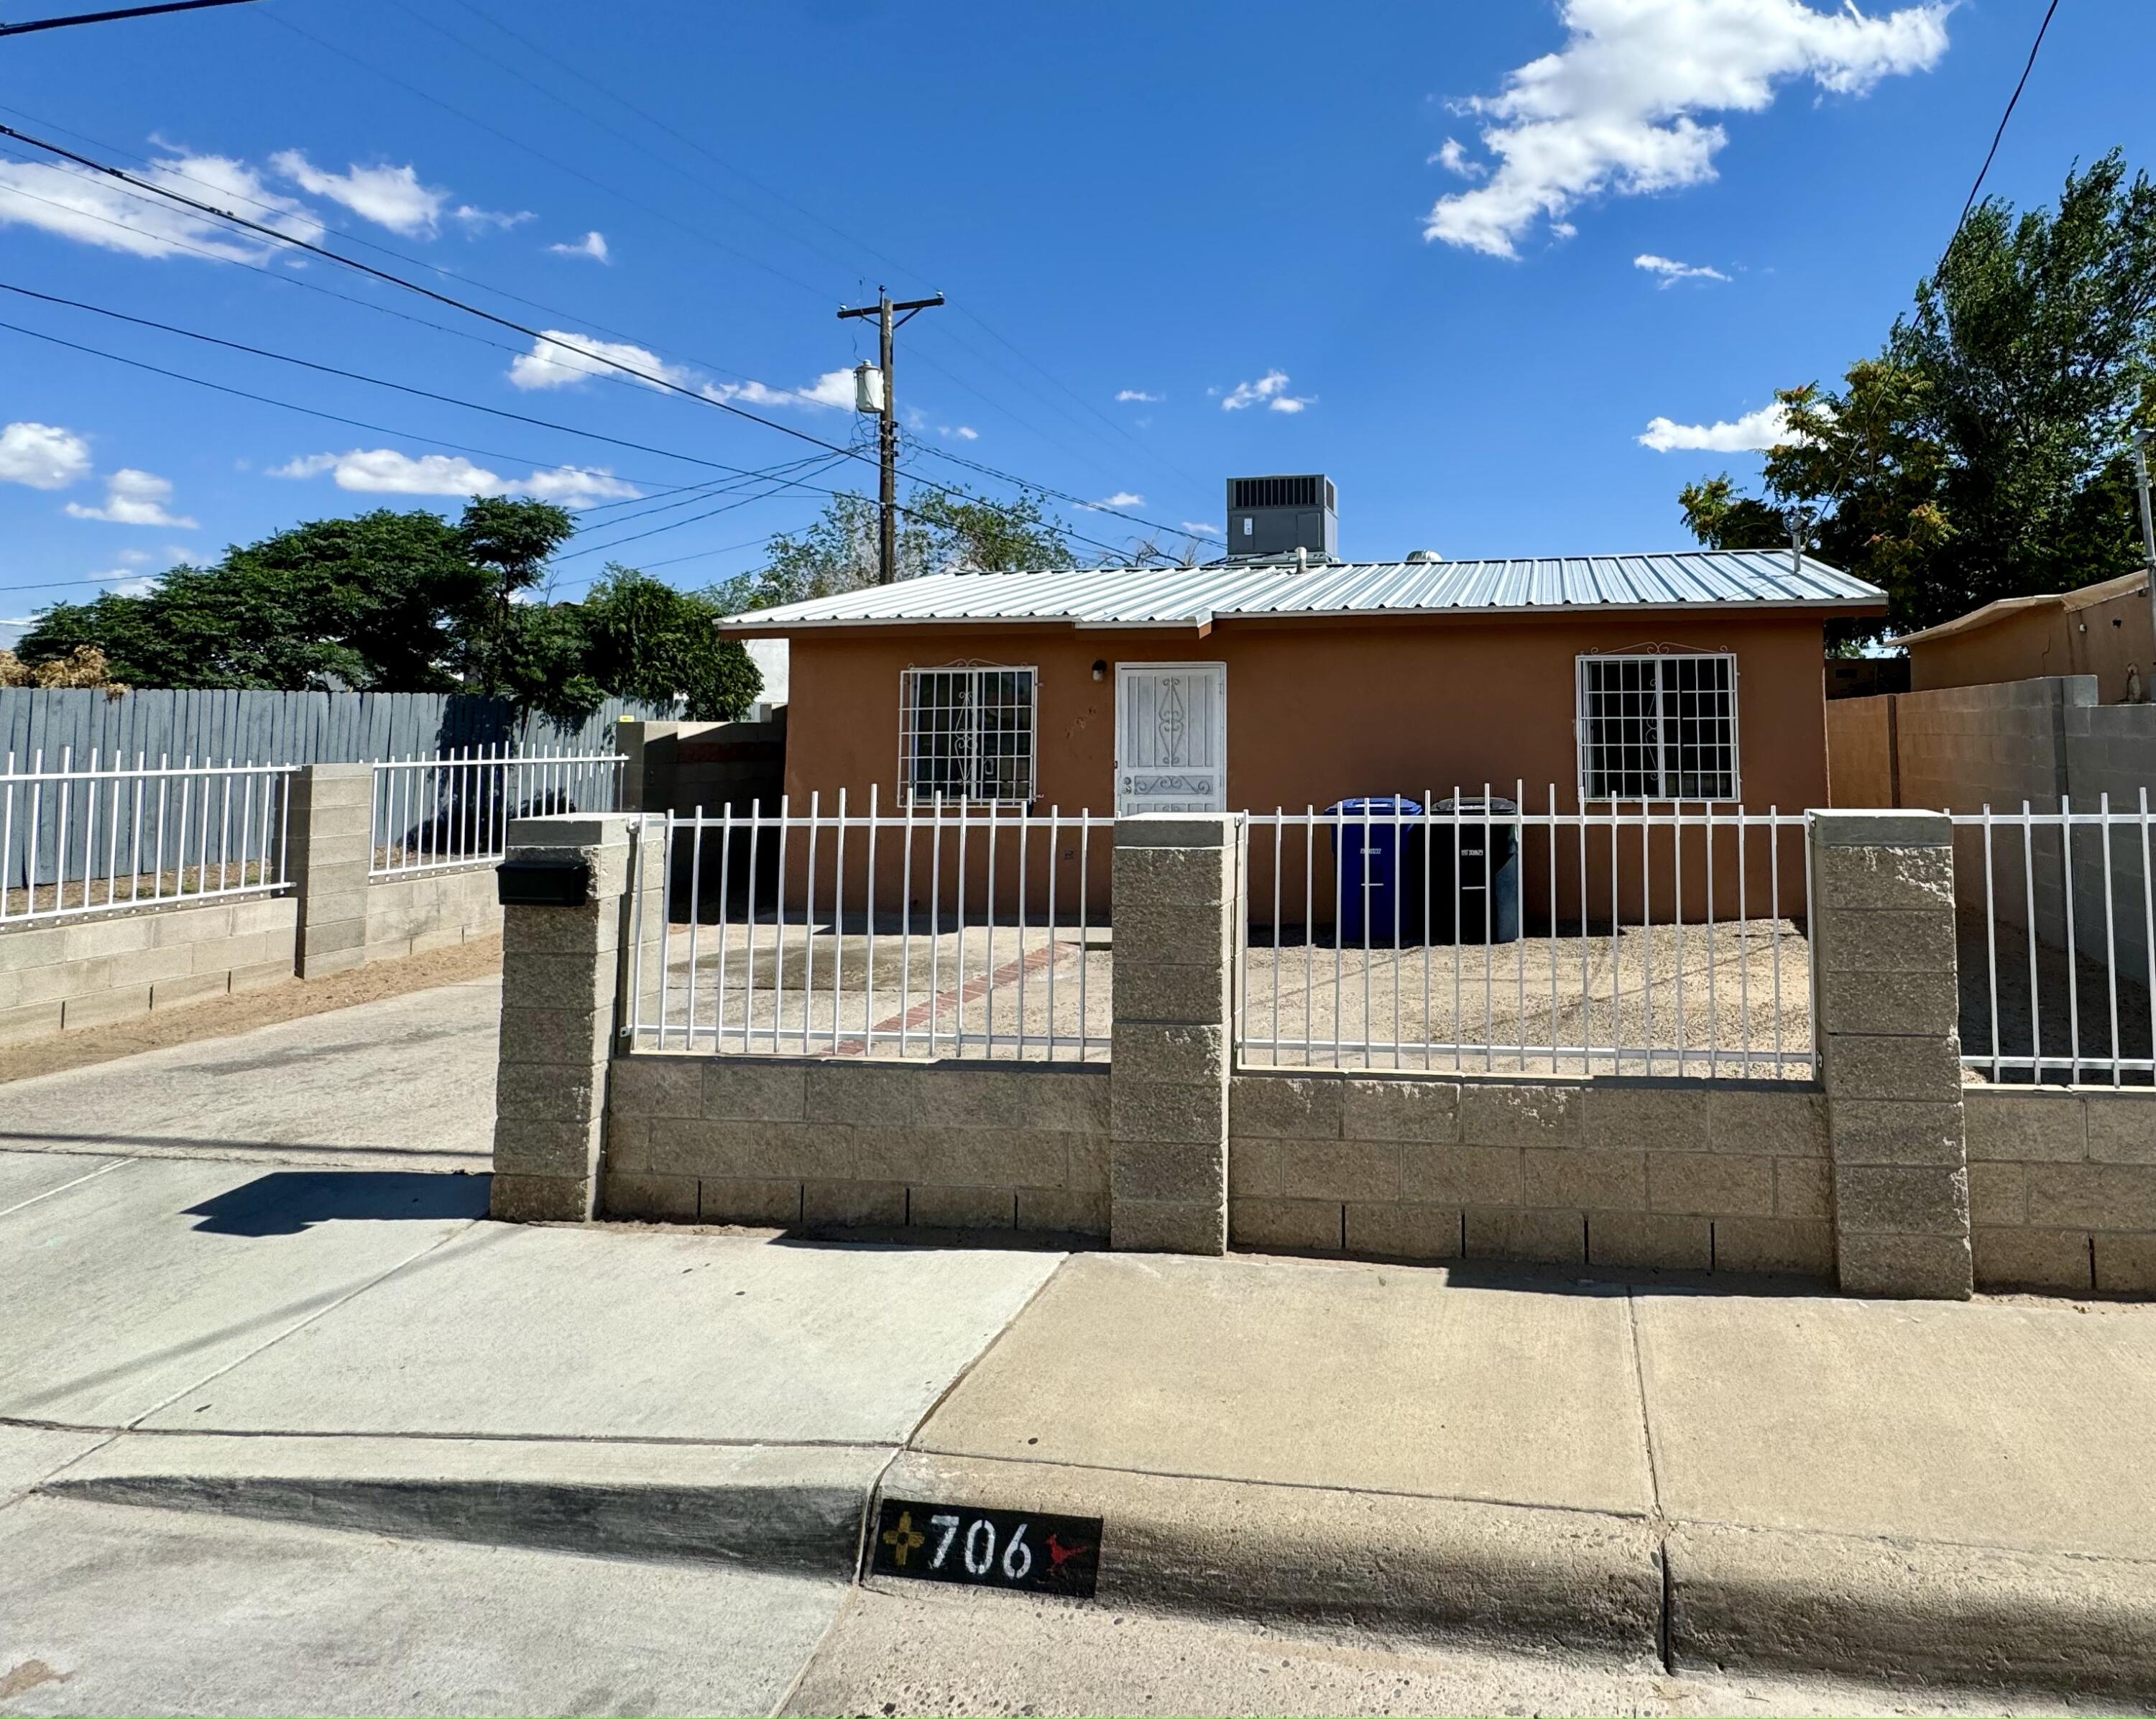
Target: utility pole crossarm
[888,322]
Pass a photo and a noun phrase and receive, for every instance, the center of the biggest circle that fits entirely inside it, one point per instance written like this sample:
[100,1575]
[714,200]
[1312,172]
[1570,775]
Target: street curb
[1772,1599]
[1538,1580]
[1690,1597]
[796,1509]
[1428,1568]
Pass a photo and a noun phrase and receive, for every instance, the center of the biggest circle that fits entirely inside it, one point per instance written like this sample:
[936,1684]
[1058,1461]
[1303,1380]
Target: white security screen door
[1171,737]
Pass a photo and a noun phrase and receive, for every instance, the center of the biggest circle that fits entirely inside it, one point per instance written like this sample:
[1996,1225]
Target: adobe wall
[59,978]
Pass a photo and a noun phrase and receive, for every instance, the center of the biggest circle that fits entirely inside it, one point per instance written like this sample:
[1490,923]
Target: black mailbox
[543,883]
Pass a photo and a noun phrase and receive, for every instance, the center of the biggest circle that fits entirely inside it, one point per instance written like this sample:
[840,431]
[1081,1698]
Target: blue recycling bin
[1374,840]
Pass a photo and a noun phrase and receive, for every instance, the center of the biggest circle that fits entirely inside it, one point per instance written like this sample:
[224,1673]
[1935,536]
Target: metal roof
[1195,597]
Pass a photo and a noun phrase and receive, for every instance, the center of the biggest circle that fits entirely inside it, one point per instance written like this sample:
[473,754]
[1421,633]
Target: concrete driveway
[406,1082]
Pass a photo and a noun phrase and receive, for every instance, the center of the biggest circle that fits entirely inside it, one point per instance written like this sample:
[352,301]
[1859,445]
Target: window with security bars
[966,734]
[1658,728]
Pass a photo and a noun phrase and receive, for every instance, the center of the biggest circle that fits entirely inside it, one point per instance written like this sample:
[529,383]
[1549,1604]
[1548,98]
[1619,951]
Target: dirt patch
[221,1017]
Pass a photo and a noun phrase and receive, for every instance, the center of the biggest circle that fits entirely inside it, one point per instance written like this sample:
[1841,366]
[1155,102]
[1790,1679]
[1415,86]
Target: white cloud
[472,217]
[559,360]
[833,388]
[1126,395]
[42,455]
[593,244]
[1270,389]
[1452,157]
[1616,109]
[1199,528]
[1672,271]
[1754,431]
[1121,498]
[134,498]
[389,197]
[384,471]
[963,432]
[127,584]
[76,203]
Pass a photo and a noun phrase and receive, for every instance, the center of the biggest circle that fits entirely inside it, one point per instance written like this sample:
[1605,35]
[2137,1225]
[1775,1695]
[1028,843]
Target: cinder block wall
[2063,1189]
[410,916]
[837,1142]
[1727,1175]
[59,978]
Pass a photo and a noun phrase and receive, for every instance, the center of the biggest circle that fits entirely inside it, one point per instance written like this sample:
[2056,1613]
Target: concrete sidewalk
[205,1310]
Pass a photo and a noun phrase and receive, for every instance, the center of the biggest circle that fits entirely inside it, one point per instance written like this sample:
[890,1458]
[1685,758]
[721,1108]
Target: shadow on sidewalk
[286,1202]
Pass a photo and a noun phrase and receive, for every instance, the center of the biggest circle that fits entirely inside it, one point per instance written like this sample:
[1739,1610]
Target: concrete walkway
[207,1310]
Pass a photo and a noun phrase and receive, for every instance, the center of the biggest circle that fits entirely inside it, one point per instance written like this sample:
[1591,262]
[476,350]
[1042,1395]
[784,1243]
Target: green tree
[938,531]
[632,637]
[410,603]
[1980,454]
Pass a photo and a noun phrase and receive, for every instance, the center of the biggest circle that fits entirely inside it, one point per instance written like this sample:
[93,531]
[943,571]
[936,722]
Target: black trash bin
[1379,889]
[1472,851]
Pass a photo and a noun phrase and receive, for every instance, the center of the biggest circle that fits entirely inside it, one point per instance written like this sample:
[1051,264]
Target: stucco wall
[1725,1176]
[1318,713]
[2063,1189]
[60,978]
[2104,639]
[1860,762]
[838,1142]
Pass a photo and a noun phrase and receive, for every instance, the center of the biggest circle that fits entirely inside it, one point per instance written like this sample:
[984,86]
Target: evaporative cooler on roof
[1276,516]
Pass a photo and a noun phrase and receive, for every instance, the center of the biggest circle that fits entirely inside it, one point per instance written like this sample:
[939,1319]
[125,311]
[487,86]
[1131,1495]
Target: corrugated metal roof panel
[1168,596]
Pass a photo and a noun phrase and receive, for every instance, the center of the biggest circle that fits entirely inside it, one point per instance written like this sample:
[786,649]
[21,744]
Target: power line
[702,183]
[634,373]
[664,383]
[540,155]
[106,18]
[2012,101]
[352,239]
[676,524]
[345,375]
[404,388]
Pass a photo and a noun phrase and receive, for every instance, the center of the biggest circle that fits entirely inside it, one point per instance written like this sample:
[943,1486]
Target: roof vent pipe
[1301,558]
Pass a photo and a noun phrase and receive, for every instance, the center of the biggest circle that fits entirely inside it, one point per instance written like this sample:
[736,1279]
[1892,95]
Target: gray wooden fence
[280,727]
[73,728]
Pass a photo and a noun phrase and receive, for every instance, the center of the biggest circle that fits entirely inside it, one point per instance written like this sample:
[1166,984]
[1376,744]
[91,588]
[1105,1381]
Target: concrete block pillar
[561,986]
[1885,1010]
[329,845]
[1175,907]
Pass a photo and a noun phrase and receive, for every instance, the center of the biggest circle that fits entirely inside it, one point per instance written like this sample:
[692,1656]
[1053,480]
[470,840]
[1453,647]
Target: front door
[1171,737]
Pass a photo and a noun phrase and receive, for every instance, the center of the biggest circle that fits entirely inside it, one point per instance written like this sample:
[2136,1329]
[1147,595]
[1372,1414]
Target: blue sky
[1401,245]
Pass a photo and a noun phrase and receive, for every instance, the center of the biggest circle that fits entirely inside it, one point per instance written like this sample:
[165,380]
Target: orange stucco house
[1287,681]
[1253,684]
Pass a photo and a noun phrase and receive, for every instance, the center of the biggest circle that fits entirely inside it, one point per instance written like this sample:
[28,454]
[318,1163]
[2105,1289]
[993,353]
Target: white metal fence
[2057,934]
[112,836]
[434,814]
[1472,933]
[941,931]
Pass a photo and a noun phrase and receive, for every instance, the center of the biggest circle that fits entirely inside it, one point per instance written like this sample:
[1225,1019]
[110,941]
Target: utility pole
[884,311]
